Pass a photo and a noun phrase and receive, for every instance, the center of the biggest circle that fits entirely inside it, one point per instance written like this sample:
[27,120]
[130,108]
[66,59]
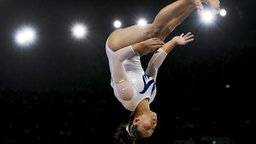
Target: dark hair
[127,133]
[121,136]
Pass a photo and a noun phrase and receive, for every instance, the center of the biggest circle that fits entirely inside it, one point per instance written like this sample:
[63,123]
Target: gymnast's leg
[165,21]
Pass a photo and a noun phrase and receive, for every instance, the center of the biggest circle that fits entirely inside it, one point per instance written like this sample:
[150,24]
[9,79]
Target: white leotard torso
[144,86]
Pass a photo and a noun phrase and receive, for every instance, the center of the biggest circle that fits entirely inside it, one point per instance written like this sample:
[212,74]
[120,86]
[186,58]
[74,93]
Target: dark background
[58,91]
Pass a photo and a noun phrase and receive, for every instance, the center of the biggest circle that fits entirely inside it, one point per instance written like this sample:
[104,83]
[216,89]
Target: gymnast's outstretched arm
[158,57]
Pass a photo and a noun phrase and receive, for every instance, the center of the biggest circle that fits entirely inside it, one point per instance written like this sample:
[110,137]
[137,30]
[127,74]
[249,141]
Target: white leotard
[143,85]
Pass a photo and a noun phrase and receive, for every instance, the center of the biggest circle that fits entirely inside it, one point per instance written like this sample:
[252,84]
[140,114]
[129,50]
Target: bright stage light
[117,24]
[142,22]
[79,31]
[207,16]
[25,36]
[223,12]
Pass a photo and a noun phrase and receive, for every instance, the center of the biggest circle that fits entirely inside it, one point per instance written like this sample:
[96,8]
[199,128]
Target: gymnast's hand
[148,46]
[183,39]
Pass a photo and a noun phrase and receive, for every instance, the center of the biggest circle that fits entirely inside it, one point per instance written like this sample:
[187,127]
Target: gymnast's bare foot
[214,4]
[199,6]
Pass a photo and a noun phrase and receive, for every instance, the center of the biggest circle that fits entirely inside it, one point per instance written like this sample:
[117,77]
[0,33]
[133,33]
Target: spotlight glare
[223,12]
[25,36]
[207,16]
[227,86]
[79,31]
[117,24]
[142,22]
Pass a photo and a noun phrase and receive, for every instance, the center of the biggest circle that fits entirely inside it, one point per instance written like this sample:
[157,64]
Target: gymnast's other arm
[161,53]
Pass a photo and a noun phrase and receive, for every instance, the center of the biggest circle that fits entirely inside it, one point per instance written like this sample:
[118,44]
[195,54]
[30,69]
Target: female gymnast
[133,87]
